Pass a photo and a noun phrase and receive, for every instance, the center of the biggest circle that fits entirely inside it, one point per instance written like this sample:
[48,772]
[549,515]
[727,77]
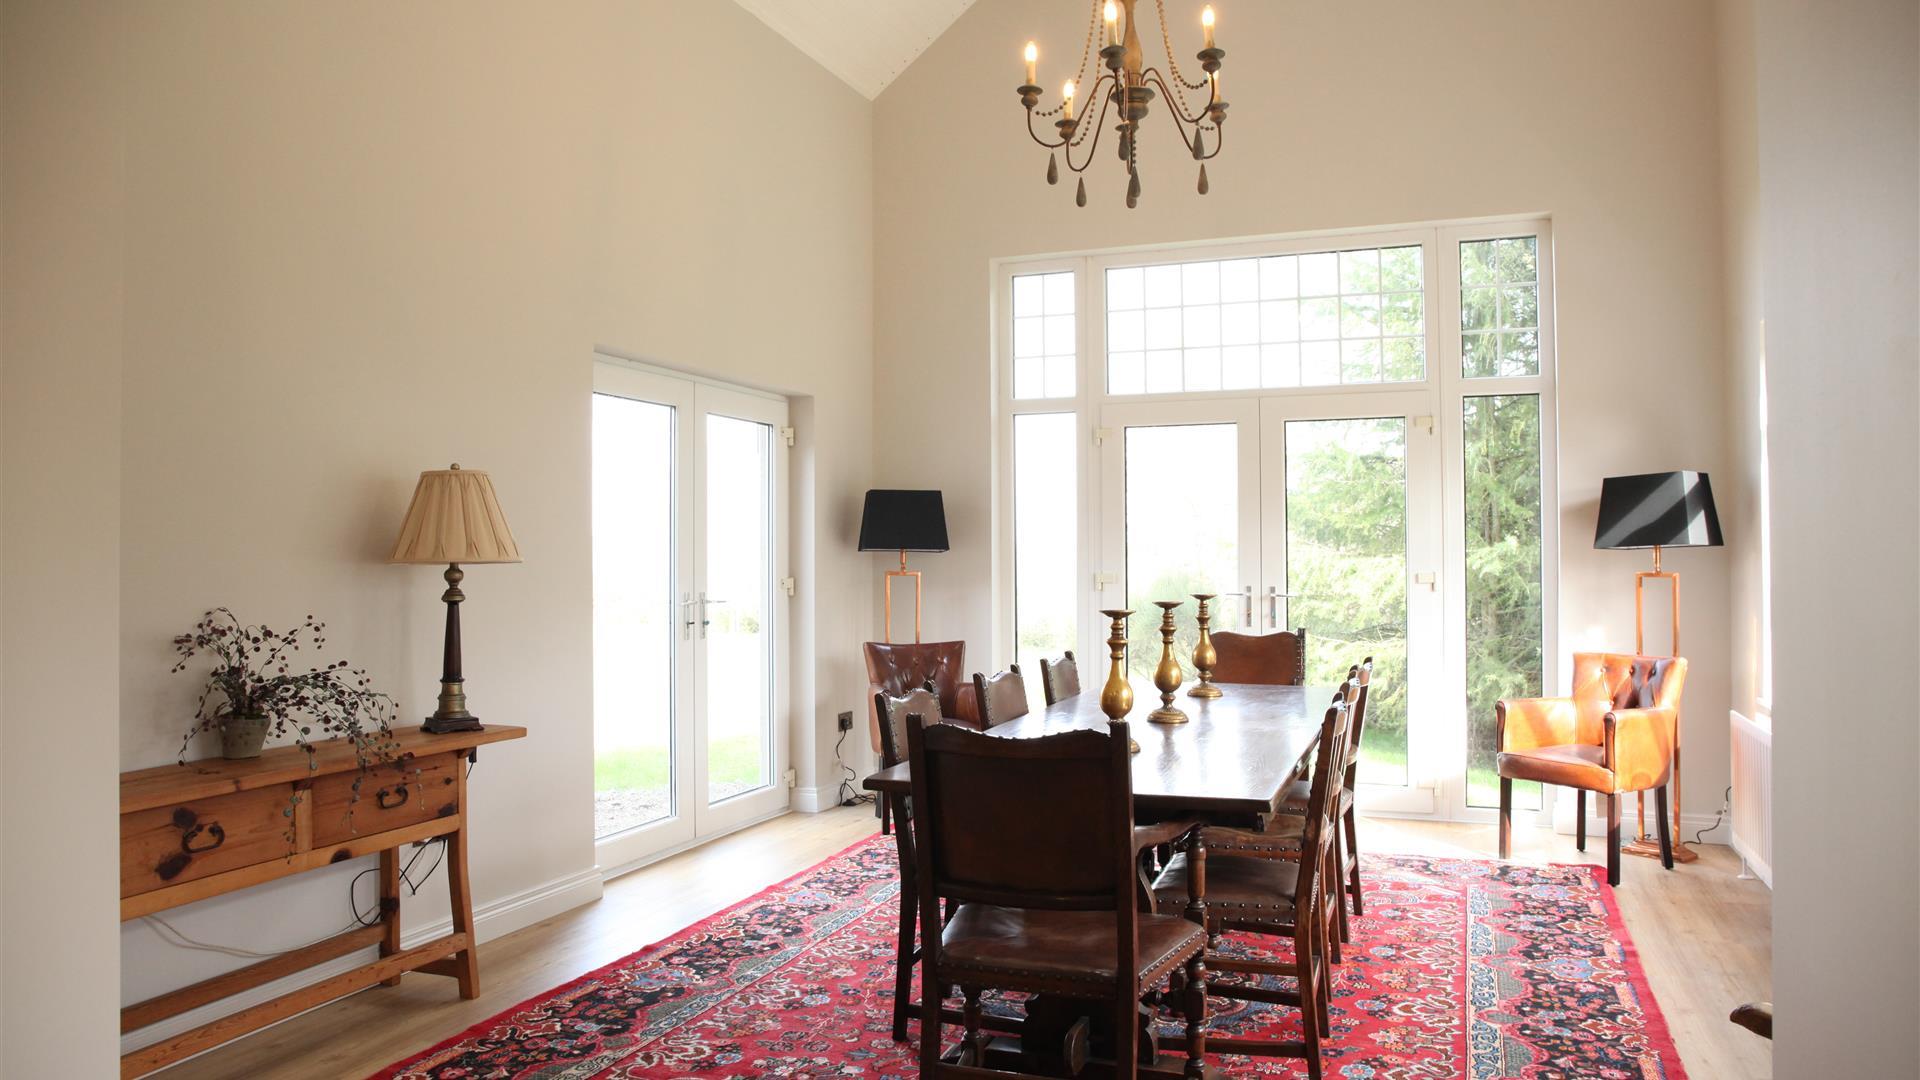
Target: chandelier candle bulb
[1113,23]
[1206,24]
[1066,95]
[1033,63]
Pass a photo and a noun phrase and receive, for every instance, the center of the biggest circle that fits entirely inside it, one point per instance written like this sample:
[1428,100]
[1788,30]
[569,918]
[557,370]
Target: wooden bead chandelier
[1126,89]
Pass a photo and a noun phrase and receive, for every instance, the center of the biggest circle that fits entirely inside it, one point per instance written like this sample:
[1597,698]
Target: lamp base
[447,725]
[1648,847]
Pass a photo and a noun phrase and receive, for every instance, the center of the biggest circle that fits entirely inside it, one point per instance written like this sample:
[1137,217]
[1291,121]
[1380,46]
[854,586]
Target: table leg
[390,907]
[905,956]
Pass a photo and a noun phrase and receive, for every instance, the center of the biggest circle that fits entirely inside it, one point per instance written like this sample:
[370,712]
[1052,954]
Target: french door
[1322,512]
[690,611]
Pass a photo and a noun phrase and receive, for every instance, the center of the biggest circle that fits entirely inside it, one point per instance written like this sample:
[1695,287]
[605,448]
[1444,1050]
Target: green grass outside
[733,760]
[1483,784]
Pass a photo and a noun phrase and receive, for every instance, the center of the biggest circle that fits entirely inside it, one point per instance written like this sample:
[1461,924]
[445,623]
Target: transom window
[1043,336]
[1323,318]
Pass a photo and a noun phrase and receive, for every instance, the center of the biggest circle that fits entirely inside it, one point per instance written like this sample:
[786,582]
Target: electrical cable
[848,794]
[1725,801]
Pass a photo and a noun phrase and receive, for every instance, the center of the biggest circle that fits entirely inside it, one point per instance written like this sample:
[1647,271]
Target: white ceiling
[865,42]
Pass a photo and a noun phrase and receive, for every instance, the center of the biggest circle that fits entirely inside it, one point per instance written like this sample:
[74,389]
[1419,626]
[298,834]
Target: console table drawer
[169,845]
[390,798]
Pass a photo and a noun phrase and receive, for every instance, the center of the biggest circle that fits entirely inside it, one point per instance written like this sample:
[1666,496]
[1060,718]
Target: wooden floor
[1703,936]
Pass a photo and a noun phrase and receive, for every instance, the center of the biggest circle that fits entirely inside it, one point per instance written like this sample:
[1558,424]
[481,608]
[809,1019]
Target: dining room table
[1233,761]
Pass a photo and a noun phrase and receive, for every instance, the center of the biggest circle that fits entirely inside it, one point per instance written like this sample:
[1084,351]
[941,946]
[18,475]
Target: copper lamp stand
[1644,845]
[915,575]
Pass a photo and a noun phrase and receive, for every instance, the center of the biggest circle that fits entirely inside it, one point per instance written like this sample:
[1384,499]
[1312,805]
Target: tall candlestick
[1206,24]
[1033,62]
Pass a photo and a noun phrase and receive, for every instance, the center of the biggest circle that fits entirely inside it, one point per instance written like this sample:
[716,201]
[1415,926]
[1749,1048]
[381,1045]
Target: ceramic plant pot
[241,737]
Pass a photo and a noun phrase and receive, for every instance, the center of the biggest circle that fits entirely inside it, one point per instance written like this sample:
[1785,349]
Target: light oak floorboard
[1703,937]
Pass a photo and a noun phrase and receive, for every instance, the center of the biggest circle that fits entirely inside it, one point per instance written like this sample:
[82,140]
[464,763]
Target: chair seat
[1296,799]
[1027,948]
[1571,765]
[1238,886]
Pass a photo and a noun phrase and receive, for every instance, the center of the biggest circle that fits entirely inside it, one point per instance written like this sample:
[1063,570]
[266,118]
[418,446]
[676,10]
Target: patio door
[1320,512]
[690,611]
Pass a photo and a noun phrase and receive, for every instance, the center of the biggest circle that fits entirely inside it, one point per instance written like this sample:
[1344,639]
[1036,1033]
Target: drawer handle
[392,798]
[211,829]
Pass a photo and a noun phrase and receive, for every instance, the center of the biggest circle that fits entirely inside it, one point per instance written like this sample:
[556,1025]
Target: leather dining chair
[1001,697]
[895,668]
[1284,886]
[1268,659]
[1346,845]
[1059,679]
[1613,735]
[1033,845]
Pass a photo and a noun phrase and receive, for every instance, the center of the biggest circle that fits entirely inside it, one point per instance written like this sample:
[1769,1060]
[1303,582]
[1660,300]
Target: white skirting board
[493,920]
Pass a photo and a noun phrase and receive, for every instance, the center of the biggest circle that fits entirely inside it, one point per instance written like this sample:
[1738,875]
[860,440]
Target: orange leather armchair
[896,669]
[1613,735]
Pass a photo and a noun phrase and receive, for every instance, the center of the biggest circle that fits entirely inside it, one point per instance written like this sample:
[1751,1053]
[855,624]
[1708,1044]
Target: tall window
[1348,434]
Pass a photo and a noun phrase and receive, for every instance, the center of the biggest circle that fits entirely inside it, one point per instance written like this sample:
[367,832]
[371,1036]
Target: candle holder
[1204,656]
[1166,677]
[1116,697]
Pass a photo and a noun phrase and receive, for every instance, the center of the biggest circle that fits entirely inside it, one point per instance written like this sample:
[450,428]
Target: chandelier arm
[1178,109]
[1038,139]
[1106,103]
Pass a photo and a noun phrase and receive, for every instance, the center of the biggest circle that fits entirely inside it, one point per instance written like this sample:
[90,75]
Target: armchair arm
[1526,723]
[1639,747]
[966,704]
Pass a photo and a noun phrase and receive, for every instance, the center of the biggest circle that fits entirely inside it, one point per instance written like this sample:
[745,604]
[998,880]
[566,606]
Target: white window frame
[1445,386]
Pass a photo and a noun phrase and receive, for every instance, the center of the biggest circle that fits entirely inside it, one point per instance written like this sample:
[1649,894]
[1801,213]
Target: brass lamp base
[1648,847]
[452,715]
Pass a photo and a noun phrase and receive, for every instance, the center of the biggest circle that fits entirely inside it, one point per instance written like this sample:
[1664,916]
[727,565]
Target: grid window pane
[1505,621]
[1364,310]
[1045,538]
[1044,336]
[1500,307]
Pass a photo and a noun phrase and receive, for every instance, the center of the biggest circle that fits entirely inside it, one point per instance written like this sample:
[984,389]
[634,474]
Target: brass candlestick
[1204,657]
[1116,697]
[1167,676]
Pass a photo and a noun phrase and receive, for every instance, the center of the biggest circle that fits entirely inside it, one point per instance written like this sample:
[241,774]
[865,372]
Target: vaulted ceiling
[865,42]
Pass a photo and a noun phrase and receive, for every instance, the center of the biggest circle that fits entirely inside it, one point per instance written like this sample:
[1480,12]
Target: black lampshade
[1667,509]
[903,521]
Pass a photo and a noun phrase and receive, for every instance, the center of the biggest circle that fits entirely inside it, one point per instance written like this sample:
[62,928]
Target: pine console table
[206,828]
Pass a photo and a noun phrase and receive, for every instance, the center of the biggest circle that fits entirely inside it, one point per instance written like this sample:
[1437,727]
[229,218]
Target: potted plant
[255,690]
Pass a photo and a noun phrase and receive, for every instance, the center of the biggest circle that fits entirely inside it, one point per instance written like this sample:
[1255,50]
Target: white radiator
[1753,794]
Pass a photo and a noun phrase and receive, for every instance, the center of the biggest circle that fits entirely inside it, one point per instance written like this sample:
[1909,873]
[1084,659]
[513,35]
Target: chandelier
[1126,89]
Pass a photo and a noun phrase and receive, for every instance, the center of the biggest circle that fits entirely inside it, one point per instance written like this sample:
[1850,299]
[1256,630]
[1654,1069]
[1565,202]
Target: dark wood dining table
[1234,759]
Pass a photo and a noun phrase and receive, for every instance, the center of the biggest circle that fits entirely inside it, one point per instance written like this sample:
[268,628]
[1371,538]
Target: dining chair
[1001,696]
[1252,881]
[1613,735]
[1347,843]
[1059,679]
[1278,659]
[897,667]
[893,711]
[1034,840]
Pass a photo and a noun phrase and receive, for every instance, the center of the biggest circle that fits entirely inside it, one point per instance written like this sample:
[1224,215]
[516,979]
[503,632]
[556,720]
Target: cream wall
[61,216]
[344,243]
[1839,263]
[1352,114]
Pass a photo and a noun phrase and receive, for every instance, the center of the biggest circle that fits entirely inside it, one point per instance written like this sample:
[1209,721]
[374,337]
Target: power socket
[846,721]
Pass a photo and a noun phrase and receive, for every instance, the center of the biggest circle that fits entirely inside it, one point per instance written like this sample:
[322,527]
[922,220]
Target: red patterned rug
[1461,968]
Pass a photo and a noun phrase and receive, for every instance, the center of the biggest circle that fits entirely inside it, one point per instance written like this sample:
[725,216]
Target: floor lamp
[1658,510]
[903,521]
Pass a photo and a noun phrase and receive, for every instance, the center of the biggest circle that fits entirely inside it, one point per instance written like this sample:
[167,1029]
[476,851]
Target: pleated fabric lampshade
[455,518]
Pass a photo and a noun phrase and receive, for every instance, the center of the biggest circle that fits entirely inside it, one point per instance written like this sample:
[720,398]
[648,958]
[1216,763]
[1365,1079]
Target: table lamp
[1658,510]
[903,521]
[454,518]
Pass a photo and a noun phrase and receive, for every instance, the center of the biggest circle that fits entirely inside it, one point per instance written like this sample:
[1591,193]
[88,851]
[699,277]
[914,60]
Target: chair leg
[1337,877]
[1506,818]
[973,1045]
[1310,1001]
[1126,1034]
[1666,827]
[1196,1002]
[1353,852]
[904,962]
[931,993]
[1613,839]
[1580,819]
[886,818]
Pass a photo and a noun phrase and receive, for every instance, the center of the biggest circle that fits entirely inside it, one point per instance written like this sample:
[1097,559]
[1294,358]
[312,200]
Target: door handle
[704,621]
[686,617]
[1246,591]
